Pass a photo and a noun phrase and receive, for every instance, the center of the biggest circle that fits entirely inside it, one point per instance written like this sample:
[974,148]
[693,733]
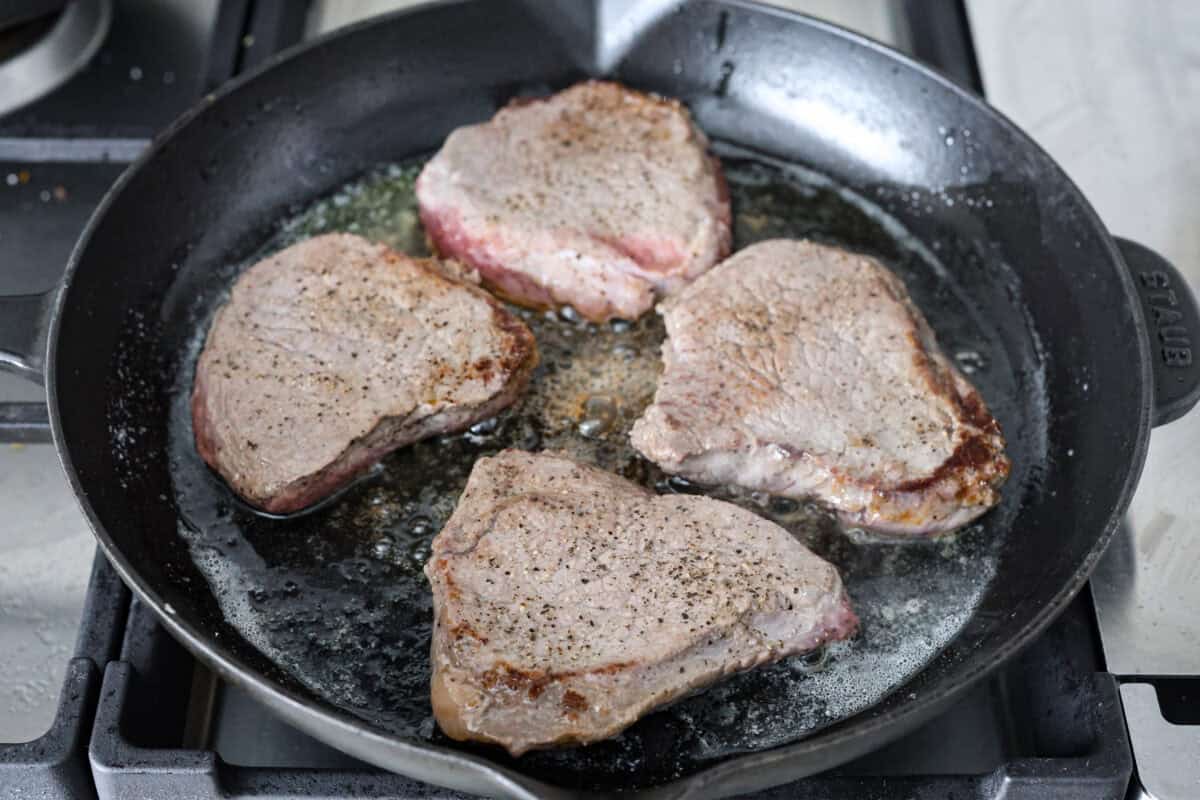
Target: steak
[568,601]
[335,351]
[598,197]
[806,371]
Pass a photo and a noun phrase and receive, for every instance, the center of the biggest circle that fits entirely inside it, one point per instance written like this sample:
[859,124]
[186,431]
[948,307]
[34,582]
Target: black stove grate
[55,764]
[1048,726]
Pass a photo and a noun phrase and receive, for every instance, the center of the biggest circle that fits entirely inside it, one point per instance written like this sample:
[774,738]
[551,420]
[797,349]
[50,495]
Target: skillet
[1088,337]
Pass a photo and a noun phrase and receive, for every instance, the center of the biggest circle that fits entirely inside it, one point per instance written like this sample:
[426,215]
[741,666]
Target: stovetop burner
[139,717]
[38,55]
[1049,725]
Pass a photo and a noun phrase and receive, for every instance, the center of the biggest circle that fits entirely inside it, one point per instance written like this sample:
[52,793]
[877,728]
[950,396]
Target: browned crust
[974,455]
[450,720]
[522,356]
[505,674]
[573,702]
[464,630]
[981,454]
[975,411]
[452,590]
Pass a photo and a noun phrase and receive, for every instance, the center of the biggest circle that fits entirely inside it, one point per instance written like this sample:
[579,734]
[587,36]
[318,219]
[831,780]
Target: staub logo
[1167,318]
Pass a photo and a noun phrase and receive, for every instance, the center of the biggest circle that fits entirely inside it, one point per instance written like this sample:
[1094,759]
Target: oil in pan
[336,597]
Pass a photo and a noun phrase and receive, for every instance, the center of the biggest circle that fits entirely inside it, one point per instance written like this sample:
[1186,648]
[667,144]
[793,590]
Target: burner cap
[44,42]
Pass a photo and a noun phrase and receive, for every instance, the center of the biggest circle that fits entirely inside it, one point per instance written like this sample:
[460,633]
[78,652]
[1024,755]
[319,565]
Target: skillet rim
[847,738]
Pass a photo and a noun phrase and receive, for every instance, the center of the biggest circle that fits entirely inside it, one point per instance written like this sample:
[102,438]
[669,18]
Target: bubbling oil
[336,597]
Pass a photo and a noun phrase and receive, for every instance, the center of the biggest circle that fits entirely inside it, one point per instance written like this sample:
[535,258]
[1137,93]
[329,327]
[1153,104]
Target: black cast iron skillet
[1098,331]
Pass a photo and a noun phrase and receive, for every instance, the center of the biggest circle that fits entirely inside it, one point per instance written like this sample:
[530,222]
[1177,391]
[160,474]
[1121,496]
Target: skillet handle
[22,342]
[1173,327]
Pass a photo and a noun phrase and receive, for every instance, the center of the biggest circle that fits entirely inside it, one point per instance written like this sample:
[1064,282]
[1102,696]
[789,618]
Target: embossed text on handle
[1163,302]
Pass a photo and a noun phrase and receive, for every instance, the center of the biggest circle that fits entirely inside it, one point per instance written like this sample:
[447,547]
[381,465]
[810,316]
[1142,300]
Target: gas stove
[1102,706]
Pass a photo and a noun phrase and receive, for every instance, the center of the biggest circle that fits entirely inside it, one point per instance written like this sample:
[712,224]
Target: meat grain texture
[569,601]
[598,197]
[335,351]
[806,371]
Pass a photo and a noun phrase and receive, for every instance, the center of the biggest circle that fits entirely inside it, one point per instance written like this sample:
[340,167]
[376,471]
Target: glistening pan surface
[336,598]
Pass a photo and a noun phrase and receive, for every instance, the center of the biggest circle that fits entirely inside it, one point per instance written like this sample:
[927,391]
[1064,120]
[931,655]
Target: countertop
[1111,88]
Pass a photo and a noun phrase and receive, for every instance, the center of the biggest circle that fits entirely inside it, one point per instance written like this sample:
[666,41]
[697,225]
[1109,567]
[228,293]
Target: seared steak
[803,370]
[598,197]
[568,601]
[335,351]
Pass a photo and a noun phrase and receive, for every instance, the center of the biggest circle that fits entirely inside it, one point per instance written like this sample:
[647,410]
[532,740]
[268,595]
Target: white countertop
[45,559]
[1111,88]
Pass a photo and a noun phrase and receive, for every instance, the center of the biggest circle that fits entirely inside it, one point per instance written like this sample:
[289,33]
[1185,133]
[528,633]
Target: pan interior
[335,598]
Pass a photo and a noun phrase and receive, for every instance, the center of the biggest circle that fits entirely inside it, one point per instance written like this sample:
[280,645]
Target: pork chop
[806,371]
[335,351]
[568,601]
[598,197]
